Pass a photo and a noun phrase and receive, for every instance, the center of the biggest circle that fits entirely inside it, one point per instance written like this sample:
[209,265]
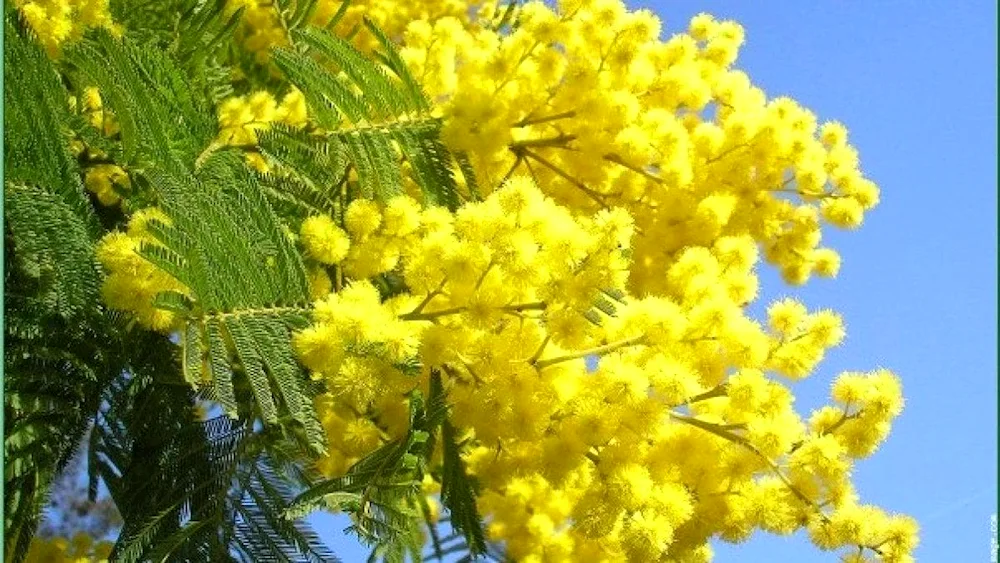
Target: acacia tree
[483,264]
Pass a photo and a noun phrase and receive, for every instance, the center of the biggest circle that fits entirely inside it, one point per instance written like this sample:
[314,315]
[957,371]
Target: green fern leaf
[458,493]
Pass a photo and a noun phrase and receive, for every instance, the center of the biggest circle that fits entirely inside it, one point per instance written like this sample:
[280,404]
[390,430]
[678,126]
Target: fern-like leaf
[388,116]
[458,493]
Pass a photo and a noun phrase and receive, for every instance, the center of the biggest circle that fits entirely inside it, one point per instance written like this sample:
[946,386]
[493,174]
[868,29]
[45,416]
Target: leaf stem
[416,315]
[599,351]
[717,391]
[621,162]
[430,296]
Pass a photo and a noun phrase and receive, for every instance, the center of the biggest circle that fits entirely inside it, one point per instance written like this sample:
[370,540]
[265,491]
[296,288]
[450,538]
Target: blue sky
[916,84]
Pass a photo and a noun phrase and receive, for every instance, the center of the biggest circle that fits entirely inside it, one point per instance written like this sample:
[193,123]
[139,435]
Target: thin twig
[537,120]
[600,350]
[597,197]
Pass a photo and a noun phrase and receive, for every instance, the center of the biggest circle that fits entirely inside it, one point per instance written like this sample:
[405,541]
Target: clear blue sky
[916,84]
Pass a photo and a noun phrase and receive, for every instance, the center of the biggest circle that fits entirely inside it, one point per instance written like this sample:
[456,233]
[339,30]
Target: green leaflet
[248,287]
[458,493]
[388,116]
[58,348]
[309,174]
[383,482]
[53,248]
[36,101]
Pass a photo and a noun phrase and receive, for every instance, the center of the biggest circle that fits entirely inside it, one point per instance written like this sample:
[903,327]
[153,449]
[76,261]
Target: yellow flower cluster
[80,549]
[263,26]
[323,240]
[242,117]
[588,100]
[104,179]
[463,264]
[679,434]
[358,345]
[133,282]
[58,21]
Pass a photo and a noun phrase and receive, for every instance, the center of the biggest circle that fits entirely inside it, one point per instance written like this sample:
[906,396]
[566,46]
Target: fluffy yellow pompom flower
[104,180]
[363,217]
[323,240]
[826,262]
[786,316]
[320,284]
[843,212]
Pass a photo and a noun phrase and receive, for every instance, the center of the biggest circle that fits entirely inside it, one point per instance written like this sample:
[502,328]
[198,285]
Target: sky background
[915,82]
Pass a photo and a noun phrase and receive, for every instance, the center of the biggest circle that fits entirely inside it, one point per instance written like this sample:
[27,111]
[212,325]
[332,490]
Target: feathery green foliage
[195,490]
[59,348]
[387,115]
[35,102]
[221,229]
[309,176]
[53,249]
